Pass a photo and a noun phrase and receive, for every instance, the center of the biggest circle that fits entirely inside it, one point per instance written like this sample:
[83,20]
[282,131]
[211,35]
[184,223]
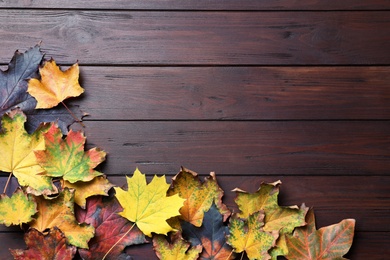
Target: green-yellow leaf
[199,196]
[59,212]
[248,235]
[18,209]
[17,153]
[147,205]
[98,186]
[55,85]
[178,249]
[66,157]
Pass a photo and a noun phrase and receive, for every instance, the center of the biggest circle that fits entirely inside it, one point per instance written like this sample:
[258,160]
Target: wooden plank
[203,4]
[266,93]
[248,148]
[364,198]
[214,38]
[366,245]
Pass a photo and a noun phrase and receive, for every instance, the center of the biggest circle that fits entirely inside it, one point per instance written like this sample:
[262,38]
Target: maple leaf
[249,236]
[177,249]
[67,158]
[45,246]
[13,92]
[147,205]
[55,85]
[13,84]
[98,186]
[110,227]
[17,153]
[211,235]
[18,209]
[282,219]
[331,242]
[59,212]
[199,196]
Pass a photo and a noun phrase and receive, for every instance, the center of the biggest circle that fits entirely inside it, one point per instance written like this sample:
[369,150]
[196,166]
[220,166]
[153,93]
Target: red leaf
[49,246]
[102,213]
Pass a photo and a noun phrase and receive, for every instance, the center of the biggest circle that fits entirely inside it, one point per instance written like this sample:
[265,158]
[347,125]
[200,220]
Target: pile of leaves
[68,209]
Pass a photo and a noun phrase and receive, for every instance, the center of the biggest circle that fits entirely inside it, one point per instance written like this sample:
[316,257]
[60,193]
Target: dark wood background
[253,90]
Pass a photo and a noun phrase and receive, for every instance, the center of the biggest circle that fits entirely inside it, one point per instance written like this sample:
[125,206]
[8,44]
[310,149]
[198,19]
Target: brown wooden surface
[253,90]
[186,38]
[202,4]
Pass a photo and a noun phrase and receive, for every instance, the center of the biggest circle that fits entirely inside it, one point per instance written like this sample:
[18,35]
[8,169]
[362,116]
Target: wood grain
[202,4]
[365,243]
[243,147]
[196,38]
[243,93]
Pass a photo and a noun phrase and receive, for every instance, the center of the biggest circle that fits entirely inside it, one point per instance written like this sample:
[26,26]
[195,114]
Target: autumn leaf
[211,236]
[59,212]
[17,153]
[45,246]
[110,227]
[98,186]
[199,196]
[331,242]
[13,81]
[17,209]
[55,85]
[282,219]
[249,236]
[177,249]
[67,158]
[13,92]
[147,205]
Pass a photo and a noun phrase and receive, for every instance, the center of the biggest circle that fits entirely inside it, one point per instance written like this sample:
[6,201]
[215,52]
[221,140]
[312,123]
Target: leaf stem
[242,255]
[6,184]
[73,115]
[231,252]
[117,242]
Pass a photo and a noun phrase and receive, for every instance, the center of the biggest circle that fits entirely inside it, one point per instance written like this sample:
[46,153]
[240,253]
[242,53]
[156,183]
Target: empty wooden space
[256,91]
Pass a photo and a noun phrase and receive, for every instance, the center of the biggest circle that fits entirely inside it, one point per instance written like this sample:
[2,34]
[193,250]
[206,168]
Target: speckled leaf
[17,209]
[45,246]
[103,214]
[55,85]
[199,196]
[17,153]
[59,212]
[177,249]
[282,219]
[211,235]
[148,205]
[248,235]
[98,186]
[67,158]
[331,242]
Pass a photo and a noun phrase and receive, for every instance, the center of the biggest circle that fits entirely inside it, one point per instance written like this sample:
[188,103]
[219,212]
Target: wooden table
[253,90]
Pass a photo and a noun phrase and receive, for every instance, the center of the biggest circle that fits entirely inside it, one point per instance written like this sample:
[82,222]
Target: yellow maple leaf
[55,85]
[147,205]
[17,153]
[98,186]
[59,212]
